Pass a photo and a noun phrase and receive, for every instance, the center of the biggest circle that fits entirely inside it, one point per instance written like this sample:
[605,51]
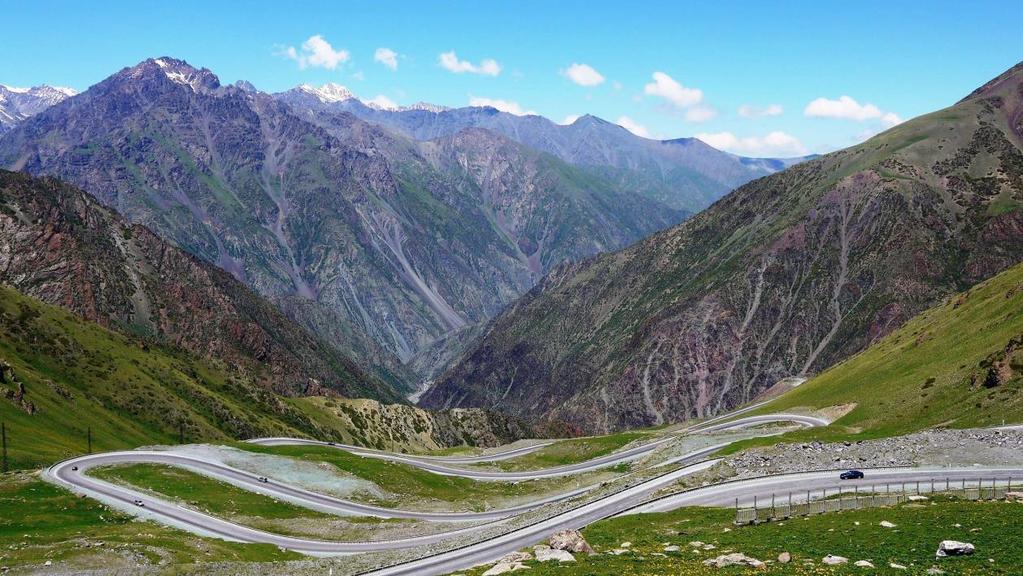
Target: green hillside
[78,375]
[959,364]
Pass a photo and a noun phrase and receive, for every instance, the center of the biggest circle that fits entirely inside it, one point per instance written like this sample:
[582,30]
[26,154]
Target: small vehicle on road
[74,468]
[263,479]
[139,503]
[331,443]
[851,475]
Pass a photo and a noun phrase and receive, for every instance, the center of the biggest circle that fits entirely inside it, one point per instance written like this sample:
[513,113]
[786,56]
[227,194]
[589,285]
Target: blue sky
[754,78]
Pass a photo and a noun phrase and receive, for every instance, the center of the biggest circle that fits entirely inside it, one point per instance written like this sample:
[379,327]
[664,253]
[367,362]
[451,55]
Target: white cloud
[584,75]
[774,144]
[668,88]
[630,125]
[848,108]
[502,105]
[570,119]
[890,119]
[700,113]
[381,101]
[753,111]
[387,57]
[316,52]
[450,62]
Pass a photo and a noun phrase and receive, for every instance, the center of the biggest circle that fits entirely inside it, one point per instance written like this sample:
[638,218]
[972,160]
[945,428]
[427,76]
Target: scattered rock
[625,545]
[784,557]
[570,540]
[832,560]
[954,548]
[1014,496]
[696,544]
[887,524]
[935,570]
[709,547]
[514,557]
[917,498]
[504,568]
[896,566]
[671,548]
[735,559]
[864,564]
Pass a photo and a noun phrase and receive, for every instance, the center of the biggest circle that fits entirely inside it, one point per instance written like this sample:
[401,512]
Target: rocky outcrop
[14,389]
[570,541]
[785,276]
[403,427]
[954,548]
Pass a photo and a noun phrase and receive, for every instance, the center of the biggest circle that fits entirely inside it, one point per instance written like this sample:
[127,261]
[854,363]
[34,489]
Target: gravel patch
[979,447]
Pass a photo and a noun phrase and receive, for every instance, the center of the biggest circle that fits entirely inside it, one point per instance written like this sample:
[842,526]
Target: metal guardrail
[837,498]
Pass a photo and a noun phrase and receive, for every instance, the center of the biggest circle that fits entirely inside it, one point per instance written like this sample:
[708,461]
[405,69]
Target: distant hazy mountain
[786,275]
[378,243]
[17,104]
[686,173]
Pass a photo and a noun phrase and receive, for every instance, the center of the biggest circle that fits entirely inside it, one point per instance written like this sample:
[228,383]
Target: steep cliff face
[784,276]
[60,246]
[337,220]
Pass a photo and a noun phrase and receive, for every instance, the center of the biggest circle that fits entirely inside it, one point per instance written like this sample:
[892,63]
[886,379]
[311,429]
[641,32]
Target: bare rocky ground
[980,447]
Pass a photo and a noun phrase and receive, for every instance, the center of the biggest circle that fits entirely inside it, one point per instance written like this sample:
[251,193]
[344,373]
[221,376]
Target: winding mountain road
[440,465]
[73,475]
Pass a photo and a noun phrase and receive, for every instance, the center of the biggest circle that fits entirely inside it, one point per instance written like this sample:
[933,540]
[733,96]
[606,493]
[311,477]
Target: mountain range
[684,173]
[785,276]
[382,244]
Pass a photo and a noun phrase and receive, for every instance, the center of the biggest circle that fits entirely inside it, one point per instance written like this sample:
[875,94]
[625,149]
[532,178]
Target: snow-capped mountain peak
[17,104]
[329,92]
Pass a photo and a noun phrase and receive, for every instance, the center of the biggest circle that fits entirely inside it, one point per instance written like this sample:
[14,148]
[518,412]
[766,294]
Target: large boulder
[571,541]
[954,548]
[832,560]
[735,559]
[548,554]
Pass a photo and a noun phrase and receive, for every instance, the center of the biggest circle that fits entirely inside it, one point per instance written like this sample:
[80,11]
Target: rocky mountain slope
[685,174]
[380,244]
[64,379]
[958,364]
[785,276]
[17,104]
[59,245]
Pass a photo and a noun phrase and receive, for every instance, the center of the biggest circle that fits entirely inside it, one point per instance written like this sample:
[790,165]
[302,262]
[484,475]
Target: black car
[263,479]
[851,475]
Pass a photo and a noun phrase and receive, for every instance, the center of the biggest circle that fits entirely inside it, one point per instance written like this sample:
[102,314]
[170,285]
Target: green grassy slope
[958,364]
[412,487]
[571,451]
[78,375]
[40,522]
[854,534]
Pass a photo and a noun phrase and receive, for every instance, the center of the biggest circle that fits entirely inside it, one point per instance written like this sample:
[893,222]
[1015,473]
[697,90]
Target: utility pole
[89,434]
[3,434]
